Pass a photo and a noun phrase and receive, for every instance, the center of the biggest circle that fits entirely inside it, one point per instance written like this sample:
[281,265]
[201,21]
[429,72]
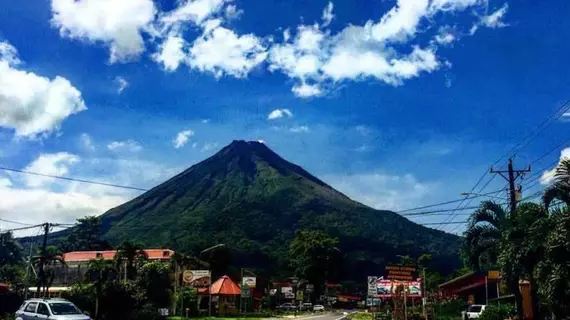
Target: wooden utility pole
[511,177]
[41,273]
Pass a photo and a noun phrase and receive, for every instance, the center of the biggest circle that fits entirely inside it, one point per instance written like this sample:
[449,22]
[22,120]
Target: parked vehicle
[287,306]
[307,306]
[474,311]
[318,308]
[53,309]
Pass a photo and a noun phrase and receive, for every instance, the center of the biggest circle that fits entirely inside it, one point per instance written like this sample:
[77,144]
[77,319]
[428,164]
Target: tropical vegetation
[530,243]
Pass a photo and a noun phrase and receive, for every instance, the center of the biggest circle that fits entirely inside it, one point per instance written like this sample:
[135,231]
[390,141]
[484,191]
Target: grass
[360,316]
[214,318]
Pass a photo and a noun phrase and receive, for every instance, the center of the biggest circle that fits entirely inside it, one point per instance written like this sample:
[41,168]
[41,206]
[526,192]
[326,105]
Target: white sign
[372,286]
[248,282]
[287,289]
[199,278]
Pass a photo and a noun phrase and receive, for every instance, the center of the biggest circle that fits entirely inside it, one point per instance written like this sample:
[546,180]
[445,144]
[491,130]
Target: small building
[478,287]
[76,263]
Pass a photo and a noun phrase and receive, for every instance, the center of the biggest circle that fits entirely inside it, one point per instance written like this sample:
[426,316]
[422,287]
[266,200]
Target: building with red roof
[76,263]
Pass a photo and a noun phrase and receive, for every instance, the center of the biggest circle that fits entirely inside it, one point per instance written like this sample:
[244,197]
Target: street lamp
[220,245]
[479,195]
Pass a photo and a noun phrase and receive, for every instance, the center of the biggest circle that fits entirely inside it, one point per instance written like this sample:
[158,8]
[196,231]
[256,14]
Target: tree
[53,258]
[11,262]
[129,255]
[314,257]
[483,234]
[153,279]
[552,272]
[560,189]
[522,248]
[99,272]
[86,236]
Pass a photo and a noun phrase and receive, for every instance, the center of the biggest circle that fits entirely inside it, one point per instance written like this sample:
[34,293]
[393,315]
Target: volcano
[251,199]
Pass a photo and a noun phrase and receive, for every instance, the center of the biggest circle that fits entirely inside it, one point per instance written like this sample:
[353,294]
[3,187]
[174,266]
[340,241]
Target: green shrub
[498,312]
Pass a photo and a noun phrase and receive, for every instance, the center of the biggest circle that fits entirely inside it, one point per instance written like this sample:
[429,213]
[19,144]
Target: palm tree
[52,257]
[560,189]
[99,271]
[522,249]
[483,235]
[129,255]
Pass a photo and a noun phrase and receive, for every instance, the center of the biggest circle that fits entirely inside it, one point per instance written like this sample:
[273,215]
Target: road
[336,315]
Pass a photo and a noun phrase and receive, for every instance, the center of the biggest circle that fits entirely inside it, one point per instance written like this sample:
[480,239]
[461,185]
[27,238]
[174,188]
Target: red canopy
[225,286]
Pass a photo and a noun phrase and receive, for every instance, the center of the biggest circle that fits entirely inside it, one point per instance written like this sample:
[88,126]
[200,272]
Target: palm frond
[488,212]
[559,190]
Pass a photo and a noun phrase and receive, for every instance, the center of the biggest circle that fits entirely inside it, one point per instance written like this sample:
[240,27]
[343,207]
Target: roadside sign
[402,273]
[372,286]
[248,282]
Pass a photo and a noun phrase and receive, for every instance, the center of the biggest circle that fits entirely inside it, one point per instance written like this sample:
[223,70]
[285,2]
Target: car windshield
[475,309]
[62,308]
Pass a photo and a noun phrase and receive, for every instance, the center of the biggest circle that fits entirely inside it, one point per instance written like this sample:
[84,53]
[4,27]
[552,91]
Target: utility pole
[424,293]
[511,177]
[41,273]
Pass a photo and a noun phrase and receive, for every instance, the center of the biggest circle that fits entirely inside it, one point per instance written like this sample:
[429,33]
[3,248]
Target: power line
[22,228]
[443,223]
[446,202]
[16,222]
[72,179]
[526,141]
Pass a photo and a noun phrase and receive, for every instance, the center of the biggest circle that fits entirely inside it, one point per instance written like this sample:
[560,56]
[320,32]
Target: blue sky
[396,103]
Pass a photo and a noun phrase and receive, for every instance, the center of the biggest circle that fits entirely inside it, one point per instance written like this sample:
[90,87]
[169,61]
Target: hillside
[252,200]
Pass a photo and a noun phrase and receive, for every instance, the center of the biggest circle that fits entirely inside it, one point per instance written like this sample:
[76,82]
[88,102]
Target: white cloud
[328,15]
[56,164]
[121,83]
[493,20]
[64,201]
[182,138]
[208,146]
[127,145]
[222,52]
[279,113]
[382,191]
[117,24]
[445,36]
[299,129]
[232,12]
[307,90]
[87,142]
[30,104]
[171,53]
[386,49]
[196,11]
[548,175]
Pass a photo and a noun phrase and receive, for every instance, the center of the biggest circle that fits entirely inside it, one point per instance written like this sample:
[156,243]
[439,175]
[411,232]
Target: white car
[318,307]
[474,311]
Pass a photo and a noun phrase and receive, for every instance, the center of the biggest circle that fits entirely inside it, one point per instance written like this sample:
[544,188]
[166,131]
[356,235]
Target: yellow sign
[299,295]
[493,275]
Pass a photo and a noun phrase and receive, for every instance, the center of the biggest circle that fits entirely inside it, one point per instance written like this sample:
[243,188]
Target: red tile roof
[78,256]
[225,286]
[4,287]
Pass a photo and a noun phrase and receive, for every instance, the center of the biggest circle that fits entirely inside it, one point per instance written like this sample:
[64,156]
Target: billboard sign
[401,273]
[387,288]
[196,278]
[248,282]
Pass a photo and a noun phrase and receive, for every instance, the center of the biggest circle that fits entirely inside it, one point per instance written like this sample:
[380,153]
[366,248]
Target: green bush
[498,312]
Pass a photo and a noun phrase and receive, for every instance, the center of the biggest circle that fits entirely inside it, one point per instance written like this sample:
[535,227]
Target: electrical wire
[72,179]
